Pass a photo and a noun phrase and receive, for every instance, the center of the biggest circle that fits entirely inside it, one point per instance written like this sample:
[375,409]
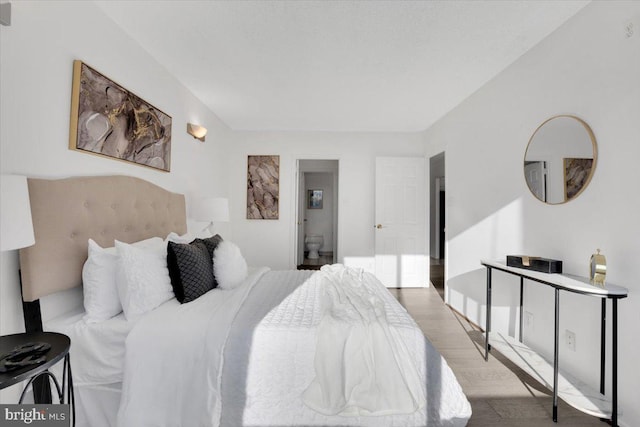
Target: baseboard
[465,318]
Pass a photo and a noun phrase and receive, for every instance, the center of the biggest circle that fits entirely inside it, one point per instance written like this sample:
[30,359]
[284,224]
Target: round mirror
[560,159]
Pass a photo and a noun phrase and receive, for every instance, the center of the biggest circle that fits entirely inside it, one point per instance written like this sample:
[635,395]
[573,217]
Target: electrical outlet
[570,339]
[528,320]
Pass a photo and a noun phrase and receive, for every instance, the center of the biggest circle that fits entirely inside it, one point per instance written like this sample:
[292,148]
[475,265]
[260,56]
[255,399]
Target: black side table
[59,350]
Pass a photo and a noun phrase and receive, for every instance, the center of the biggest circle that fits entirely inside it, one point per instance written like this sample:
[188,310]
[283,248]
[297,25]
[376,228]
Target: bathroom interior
[318,207]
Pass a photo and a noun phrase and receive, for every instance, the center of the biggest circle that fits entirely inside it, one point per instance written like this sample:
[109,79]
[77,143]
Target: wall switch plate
[570,340]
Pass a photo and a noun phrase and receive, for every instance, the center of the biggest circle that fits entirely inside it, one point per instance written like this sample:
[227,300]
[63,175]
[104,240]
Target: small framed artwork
[111,121]
[314,199]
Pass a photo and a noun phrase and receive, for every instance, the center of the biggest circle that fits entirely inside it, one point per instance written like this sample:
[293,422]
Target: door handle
[378,226]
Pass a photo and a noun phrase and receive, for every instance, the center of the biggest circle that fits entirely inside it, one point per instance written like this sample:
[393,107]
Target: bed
[264,352]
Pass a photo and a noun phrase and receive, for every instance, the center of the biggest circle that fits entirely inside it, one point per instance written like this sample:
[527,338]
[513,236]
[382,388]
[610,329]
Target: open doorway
[438,229]
[317,213]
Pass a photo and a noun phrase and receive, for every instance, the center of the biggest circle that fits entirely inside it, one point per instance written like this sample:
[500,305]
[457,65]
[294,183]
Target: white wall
[36,58]
[320,221]
[271,242]
[586,68]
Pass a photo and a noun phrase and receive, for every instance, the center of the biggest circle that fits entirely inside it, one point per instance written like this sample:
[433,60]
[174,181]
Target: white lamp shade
[213,209]
[16,227]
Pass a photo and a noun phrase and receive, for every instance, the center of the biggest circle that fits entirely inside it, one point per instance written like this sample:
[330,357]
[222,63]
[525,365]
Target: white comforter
[246,356]
[269,360]
[174,359]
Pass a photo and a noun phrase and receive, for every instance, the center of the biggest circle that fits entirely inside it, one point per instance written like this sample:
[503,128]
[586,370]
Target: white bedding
[97,349]
[242,357]
[362,365]
[269,361]
[174,357]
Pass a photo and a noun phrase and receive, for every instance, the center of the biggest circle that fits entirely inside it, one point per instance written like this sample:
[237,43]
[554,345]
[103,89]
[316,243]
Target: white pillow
[229,266]
[142,279]
[185,238]
[101,300]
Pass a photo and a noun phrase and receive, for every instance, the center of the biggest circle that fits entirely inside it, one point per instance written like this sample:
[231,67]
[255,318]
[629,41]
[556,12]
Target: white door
[535,174]
[401,234]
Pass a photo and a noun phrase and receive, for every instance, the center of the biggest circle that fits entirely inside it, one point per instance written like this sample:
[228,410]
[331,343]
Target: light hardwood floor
[500,393]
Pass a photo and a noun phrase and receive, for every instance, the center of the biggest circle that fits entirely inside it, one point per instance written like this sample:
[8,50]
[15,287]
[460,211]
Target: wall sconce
[196,131]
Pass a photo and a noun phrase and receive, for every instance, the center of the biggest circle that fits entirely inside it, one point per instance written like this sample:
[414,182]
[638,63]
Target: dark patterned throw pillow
[211,243]
[190,269]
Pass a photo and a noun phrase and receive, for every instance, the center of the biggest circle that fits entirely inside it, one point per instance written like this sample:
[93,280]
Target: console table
[573,391]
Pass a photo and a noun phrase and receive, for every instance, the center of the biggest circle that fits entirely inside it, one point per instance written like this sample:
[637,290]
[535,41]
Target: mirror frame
[594,146]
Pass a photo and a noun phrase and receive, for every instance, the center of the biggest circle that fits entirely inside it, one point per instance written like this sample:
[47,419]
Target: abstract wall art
[111,121]
[576,176]
[263,187]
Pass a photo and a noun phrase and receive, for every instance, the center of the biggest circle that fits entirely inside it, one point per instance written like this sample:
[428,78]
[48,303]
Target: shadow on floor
[316,264]
[500,393]
[436,274]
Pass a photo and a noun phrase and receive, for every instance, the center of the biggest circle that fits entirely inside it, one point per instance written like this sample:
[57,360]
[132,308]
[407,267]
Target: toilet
[314,243]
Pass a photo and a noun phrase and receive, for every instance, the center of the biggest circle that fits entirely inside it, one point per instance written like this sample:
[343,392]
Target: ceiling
[377,66]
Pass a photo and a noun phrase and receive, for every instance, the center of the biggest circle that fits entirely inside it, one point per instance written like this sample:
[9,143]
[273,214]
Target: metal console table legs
[578,285]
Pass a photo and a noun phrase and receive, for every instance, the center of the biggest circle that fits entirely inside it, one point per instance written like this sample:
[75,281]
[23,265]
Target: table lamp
[211,210]
[16,226]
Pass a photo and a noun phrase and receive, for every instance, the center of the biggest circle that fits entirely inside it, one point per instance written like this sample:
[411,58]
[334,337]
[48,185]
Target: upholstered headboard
[67,212]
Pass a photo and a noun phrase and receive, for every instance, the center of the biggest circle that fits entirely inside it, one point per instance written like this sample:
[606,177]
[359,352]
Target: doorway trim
[439,181]
[437,173]
[295,206]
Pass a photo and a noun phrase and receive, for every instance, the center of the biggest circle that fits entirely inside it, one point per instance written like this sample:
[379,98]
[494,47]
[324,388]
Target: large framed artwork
[263,187]
[576,174]
[109,120]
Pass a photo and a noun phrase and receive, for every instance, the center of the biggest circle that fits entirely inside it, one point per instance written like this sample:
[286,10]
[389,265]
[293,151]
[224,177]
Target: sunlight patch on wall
[494,237]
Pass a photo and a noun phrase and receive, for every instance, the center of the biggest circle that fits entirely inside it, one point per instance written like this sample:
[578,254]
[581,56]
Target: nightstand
[59,350]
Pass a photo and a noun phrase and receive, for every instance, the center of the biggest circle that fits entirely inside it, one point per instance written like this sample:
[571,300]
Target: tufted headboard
[67,212]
